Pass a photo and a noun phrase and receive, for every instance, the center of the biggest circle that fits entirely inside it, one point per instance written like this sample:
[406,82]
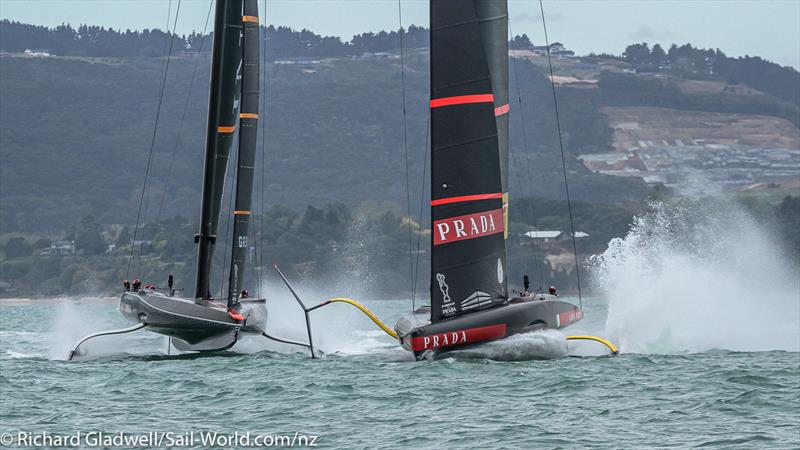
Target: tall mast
[468,251]
[248,127]
[223,110]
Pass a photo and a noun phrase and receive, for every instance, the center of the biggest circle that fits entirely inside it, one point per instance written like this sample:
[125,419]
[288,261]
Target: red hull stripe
[465,198]
[470,226]
[500,110]
[569,317]
[459,337]
[462,100]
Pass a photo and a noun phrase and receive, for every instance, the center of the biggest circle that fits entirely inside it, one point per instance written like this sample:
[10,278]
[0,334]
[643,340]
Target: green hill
[75,134]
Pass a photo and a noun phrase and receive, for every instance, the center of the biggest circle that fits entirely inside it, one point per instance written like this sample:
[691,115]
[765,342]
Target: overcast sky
[766,28]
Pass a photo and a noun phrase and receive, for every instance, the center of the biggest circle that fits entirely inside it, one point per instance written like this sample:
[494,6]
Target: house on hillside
[544,235]
[37,52]
[557,49]
[300,61]
[60,248]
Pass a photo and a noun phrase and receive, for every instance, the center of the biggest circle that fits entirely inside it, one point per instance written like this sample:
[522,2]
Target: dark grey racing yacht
[204,323]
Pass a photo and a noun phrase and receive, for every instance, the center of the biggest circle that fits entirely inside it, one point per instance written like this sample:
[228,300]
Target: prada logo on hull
[470,226]
[458,337]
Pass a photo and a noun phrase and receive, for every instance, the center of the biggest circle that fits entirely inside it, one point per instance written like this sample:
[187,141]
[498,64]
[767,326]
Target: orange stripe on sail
[241,213]
[250,19]
[226,129]
[248,116]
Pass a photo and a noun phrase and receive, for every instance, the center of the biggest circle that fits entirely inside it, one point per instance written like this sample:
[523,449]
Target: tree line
[281,41]
[328,244]
[698,63]
[331,245]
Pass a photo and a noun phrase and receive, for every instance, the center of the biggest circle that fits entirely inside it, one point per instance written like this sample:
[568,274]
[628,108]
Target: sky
[766,28]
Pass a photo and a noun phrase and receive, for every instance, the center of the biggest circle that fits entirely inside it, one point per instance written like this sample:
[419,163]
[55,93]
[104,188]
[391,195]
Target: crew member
[136,285]
[526,284]
[245,294]
[553,291]
[170,282]
[126,285]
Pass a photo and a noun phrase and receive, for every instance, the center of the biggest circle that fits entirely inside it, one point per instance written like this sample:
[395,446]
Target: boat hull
[202,325]
[518,315]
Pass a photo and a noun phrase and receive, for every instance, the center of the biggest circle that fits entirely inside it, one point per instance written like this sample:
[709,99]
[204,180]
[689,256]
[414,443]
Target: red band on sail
[461,100]
[465,198]
[500,110]
[470,226]
[459,337]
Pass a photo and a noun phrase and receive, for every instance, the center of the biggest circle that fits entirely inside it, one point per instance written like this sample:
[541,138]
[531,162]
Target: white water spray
[695,276]
[544,344]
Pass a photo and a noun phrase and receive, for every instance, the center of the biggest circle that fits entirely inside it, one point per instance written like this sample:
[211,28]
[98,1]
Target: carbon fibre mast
[223,111]
[248,136]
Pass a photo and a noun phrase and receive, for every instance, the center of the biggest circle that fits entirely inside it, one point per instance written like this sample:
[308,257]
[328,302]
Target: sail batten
[468,253]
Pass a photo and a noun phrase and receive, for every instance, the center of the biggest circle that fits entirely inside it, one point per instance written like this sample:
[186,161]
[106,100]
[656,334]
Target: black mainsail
[248,135]
[469,135]
[493,16]
[223,111]
[469,194]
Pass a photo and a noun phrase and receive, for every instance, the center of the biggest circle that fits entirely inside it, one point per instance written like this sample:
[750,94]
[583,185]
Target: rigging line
[563,158]
[181,123]
[166,39]
[538,261]
[161,75]
[183,116]
[263,122]
[421,207]
[405,149]
[152,143]
[232,168]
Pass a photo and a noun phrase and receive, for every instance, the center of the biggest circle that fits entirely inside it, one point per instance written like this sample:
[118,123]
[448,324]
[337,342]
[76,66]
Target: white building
[60,248]
[544,235]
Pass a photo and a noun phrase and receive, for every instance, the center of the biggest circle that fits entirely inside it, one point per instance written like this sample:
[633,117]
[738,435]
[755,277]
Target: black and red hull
[518,315]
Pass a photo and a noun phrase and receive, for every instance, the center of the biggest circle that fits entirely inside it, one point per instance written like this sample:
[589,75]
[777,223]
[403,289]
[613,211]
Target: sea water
[366,392]
[706,314]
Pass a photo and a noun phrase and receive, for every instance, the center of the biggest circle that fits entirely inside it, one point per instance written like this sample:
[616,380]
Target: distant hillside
[75,134]
[75,130]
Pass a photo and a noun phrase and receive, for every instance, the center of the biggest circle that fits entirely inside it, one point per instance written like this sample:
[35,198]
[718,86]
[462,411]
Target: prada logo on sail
[470,226]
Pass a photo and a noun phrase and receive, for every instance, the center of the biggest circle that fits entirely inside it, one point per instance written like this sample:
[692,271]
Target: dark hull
[518,315]
[194,325]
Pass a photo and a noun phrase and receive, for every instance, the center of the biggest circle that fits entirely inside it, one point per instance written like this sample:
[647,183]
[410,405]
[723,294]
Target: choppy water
[367,393]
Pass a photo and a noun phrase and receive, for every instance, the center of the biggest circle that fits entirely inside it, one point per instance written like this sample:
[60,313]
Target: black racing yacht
[469,189]
[204,323]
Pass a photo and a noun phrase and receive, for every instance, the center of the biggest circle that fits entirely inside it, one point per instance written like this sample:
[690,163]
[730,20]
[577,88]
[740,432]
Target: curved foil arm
[72,352]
